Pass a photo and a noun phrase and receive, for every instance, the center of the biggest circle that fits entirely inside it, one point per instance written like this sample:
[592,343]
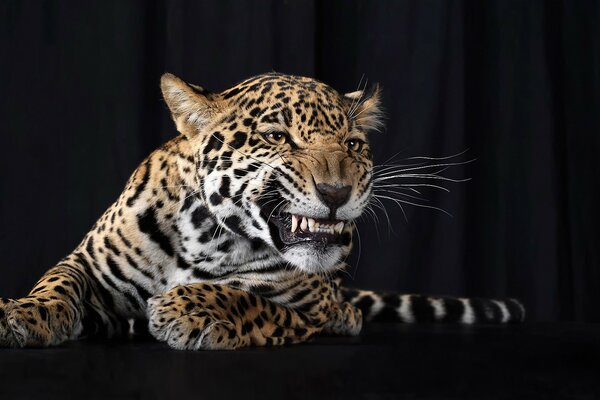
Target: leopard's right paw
[29,322]
[8,338]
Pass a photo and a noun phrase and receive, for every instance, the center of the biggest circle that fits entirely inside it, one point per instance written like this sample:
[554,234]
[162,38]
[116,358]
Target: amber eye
[355,145]
[275,137]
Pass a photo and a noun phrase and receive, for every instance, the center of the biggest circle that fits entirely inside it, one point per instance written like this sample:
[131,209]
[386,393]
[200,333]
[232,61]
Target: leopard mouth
[295,229]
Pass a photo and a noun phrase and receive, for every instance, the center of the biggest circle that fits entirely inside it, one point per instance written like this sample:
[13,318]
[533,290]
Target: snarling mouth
[295,229]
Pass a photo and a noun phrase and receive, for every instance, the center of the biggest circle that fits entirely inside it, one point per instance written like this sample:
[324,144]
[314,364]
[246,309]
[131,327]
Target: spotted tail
[409,308]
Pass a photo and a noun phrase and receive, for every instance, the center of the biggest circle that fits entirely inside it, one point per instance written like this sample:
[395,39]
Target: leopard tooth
[303,224]
[312,225]
[294,223]
[339,227]
[326,229]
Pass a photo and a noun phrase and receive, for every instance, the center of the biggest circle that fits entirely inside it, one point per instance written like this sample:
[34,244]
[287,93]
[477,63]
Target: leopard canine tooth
[294,223]
[303,224]
[312,225]
[339,227]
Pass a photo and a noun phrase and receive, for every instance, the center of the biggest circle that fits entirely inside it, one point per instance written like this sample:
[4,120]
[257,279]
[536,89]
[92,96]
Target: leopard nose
[333,196]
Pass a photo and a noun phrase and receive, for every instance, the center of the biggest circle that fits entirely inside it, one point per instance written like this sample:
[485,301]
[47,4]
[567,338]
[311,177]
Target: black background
[515,82]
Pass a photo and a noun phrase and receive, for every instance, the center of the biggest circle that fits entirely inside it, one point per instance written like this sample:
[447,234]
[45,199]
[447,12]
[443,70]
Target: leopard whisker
[400,194]
[421,167]
[355,100]
[381,206]
[437,158]
[410,186]
[421,176]
[398,201]
[355,227]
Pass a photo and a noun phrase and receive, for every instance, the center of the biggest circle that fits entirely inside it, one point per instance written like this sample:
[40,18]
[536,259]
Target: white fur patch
[439,311]
[503,310]
[378,304]
[310,260]
[468,316]
[405,309]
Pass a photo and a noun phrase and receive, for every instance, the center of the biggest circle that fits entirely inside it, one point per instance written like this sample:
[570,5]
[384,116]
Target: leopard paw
[162,311]
[190,329]
[8,338]
[29,322]
[345,320]
[194,332]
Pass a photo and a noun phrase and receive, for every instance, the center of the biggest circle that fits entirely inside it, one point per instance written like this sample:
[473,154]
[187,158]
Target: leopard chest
[206,251]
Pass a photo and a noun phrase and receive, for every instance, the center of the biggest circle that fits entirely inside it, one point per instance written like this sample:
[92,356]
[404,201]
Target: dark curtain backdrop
[515,82]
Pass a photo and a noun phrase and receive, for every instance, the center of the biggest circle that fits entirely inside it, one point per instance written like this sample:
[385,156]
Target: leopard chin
[312,258]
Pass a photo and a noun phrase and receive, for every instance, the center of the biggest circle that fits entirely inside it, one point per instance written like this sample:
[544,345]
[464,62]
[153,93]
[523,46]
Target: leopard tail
[408,308]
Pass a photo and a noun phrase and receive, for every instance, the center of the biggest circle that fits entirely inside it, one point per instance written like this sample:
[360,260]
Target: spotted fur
[199,242]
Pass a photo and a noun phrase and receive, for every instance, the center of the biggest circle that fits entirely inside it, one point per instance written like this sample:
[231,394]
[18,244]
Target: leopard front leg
[209,316]
[49,315]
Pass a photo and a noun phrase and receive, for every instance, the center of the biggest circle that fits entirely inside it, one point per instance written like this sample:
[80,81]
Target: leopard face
[283,161]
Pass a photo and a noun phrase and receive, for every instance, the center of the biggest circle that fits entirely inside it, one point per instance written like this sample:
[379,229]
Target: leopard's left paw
[345,319]
[199,332]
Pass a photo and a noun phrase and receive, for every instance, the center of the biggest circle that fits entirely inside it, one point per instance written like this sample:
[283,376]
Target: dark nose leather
[333,196]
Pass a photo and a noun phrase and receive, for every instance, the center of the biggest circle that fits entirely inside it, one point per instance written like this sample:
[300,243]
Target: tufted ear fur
[191,106]
[366,110]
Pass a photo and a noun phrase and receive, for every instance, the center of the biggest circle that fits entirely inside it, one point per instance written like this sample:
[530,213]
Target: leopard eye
[355,145]
[275,137]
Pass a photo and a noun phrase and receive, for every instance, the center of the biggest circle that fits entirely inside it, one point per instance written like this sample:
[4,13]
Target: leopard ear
[365,109]
[192,107]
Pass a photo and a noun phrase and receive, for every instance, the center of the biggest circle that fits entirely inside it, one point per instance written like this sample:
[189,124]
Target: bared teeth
[303,224]
[312,225]
[326,229]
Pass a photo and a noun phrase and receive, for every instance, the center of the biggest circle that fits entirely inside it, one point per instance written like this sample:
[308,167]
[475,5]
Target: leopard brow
[272,128]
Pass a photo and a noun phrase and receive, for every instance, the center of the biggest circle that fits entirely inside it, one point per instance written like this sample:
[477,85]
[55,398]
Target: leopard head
[282,160]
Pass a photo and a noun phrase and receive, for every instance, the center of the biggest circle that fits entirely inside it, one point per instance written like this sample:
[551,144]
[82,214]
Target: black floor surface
[392,361]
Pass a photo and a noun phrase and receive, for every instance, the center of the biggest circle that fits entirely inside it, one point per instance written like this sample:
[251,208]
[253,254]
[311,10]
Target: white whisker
[398,201]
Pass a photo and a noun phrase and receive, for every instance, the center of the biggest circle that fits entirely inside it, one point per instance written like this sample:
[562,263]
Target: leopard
[234,232]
